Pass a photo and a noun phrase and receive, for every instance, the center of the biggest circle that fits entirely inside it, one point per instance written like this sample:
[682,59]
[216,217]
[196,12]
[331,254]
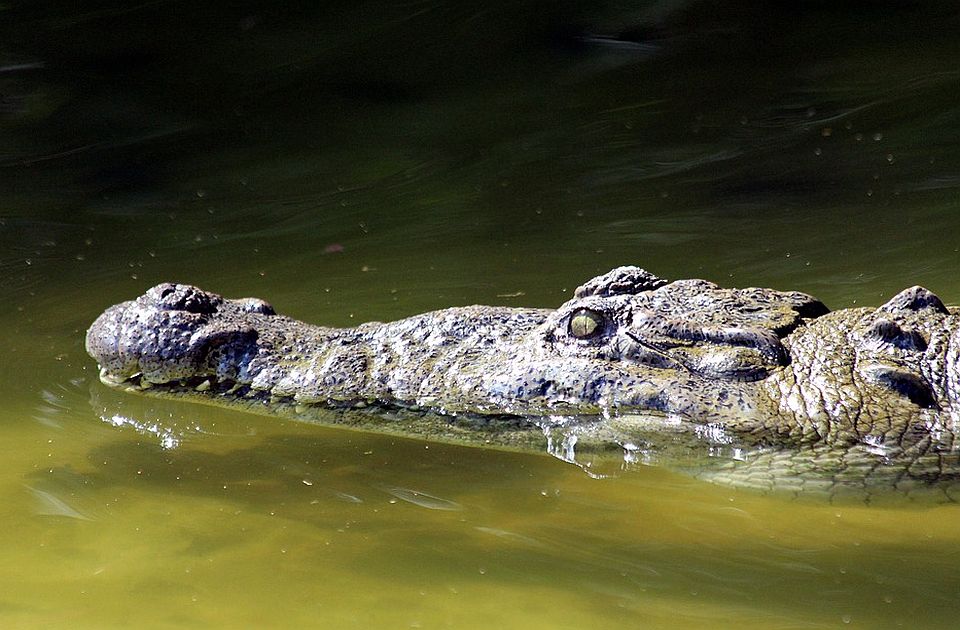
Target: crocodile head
[626,339]
[630,340]
[870,395]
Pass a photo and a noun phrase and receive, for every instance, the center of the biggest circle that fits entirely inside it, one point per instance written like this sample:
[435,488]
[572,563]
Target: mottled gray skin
[809,397]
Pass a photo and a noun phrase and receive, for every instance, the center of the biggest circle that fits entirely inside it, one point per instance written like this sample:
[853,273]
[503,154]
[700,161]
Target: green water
[447,154]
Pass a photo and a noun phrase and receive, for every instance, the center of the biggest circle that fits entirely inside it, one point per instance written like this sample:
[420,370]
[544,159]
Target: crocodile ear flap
[732,363]
[621,281]
[736,354]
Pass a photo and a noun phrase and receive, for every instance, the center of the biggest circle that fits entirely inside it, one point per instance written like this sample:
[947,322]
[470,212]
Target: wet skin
[848,395]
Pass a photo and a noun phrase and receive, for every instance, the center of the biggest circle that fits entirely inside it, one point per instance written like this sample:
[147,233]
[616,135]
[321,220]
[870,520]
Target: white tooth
[110,379]
[202,387]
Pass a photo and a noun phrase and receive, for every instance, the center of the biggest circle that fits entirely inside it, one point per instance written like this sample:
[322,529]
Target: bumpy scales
[809,398]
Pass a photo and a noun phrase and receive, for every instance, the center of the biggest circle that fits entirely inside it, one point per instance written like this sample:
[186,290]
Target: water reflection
[312,501]
[620,445]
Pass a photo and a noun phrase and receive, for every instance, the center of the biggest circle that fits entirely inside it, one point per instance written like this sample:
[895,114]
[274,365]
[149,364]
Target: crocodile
[749,387]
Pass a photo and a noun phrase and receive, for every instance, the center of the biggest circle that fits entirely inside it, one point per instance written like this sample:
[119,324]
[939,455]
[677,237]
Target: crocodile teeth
[110,378]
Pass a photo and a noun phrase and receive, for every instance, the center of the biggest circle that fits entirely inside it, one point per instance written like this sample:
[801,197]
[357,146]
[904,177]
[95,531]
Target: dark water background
[352,161]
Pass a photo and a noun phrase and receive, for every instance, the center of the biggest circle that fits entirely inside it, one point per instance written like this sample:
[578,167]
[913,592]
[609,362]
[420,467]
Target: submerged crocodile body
[854,399]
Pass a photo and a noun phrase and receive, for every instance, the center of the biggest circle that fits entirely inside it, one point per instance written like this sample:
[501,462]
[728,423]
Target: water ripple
[423,499]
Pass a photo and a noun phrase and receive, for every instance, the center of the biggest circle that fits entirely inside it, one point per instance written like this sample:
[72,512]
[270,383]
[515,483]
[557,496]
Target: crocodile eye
[585,323]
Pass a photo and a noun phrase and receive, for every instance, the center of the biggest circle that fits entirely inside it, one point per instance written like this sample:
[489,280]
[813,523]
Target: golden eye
[585,323]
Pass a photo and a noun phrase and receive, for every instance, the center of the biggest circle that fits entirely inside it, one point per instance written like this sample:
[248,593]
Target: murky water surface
[358,162]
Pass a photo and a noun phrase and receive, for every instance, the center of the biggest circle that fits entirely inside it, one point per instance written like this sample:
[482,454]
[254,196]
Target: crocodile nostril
[196,303]
[183,297]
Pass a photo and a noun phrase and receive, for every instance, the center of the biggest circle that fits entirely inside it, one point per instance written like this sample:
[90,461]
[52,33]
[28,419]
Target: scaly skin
[860,398]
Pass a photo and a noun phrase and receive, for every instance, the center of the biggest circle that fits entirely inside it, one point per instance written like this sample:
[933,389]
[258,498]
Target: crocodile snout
[154,336]
[131,339]
[105,343]
[172,332]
